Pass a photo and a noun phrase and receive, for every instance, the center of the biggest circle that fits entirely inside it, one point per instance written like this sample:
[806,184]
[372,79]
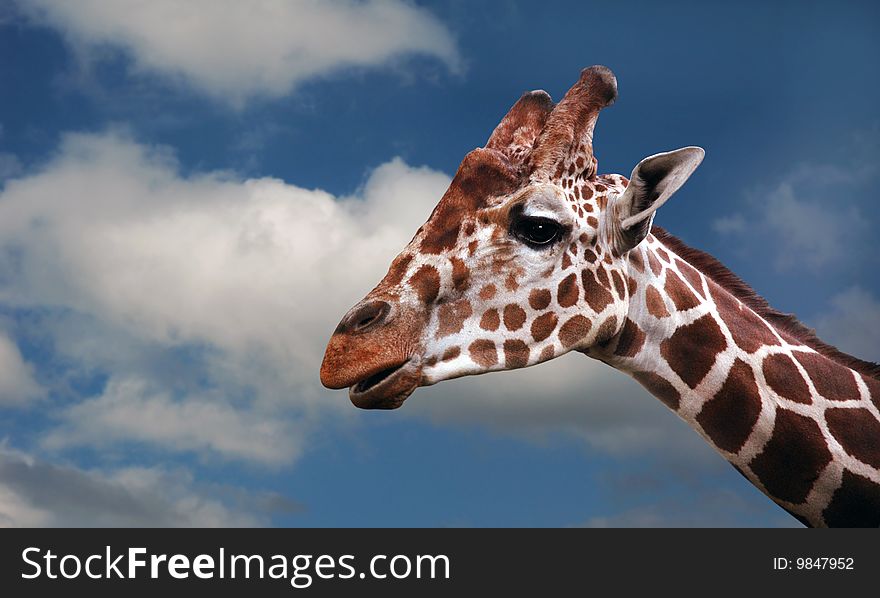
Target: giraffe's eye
[535,231]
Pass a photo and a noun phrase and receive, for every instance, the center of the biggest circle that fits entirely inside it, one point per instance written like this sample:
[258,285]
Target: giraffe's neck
[803,428]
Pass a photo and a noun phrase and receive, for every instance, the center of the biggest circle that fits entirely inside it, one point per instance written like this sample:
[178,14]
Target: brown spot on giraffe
[855,504]
[631,285]
[635,260]
[619,285]
[749,332]
[472,247]
[516,353]
[483,353]
[593,221]
[785,379]
[460,274]
[692,276]
[539,299]
[543,326]
[793,458]
[729,417]
[452,316]
[607,330]
[630,341]
[659,387]
[691,350]
[656,268]
[490,320]
[487,292]
[590,255]
[451,353]
[566,261]
[832,380]
[444,236]
[602,277]
[567,292]
[663,255]
[514,316]
[574,330]
[857,431]
[655,303]
[510,283]
[873,389]
[596,295]
[677,290]
[547,353]
[426,282]
[397,270]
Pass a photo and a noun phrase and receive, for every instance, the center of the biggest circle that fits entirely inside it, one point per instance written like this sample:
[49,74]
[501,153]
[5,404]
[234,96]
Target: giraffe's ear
[652,182]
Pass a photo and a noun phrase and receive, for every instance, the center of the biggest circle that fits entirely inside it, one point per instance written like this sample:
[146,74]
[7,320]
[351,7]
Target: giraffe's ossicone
[531,254]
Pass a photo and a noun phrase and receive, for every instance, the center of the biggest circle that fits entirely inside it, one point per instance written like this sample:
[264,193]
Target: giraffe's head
[525,257]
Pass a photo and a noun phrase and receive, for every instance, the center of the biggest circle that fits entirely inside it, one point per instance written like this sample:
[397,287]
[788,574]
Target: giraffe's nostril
[364,323]
[365,317]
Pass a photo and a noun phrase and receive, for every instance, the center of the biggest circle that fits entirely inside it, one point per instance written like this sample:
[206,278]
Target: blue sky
[190,198]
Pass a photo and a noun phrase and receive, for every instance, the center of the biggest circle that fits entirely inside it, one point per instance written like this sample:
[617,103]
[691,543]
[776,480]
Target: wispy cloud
[34,492]
[571,396]
[237,50]
[707,508]
[127,412]
[800,228]
[852,323]
[17,384]
[812,217]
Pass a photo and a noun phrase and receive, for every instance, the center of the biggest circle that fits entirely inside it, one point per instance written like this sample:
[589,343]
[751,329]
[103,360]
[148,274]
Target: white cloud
[17,384]
[10,165]
[128,412]
[803,232]
[813,216]
[571,395]
[35,493]
[235,50]
[708,508]
[221,292]
[852,323]
[730,224]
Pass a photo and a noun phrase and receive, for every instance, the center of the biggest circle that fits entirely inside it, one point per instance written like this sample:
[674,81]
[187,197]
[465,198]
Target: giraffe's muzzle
[387,389]
[374,353]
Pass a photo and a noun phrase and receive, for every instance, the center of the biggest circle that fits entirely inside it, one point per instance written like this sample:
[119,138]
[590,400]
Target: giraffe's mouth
[387,388]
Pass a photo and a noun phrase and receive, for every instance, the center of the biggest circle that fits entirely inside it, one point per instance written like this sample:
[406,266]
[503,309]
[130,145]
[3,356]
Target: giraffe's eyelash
[530,212]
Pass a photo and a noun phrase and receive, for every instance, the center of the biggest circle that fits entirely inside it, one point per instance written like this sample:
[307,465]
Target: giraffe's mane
[786,324]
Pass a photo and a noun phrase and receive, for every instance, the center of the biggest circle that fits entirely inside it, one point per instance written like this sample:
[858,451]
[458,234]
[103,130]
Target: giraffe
[531,254]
